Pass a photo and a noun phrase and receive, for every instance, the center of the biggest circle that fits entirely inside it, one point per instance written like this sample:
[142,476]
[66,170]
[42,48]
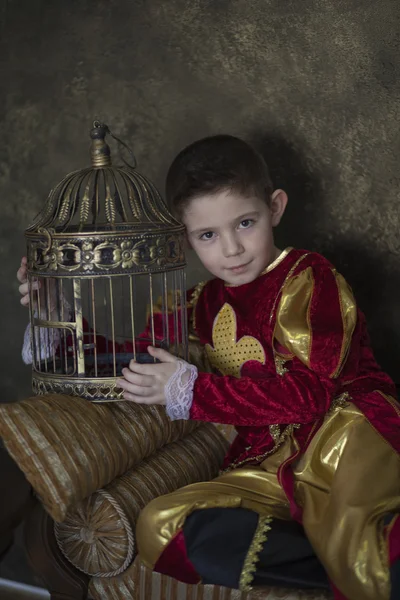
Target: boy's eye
[246,223]
[208,235]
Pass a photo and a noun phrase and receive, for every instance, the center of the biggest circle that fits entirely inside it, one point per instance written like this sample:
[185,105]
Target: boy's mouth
[238,268]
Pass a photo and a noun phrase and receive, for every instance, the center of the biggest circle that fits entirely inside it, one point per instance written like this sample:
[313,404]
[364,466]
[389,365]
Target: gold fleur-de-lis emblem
[228,355]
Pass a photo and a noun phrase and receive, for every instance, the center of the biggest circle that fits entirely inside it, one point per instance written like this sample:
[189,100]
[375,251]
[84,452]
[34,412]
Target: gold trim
[288,276]
[338,403]
[280,365]
[277,261]
[275,432]
[252,558]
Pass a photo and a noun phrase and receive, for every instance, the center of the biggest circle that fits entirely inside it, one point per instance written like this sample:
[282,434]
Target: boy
[292,369]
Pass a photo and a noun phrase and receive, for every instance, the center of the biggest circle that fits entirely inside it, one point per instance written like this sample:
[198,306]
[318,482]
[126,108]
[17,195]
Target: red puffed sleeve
[314,324]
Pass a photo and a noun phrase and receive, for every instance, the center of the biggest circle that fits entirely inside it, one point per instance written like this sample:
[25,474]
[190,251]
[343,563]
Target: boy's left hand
[145,383]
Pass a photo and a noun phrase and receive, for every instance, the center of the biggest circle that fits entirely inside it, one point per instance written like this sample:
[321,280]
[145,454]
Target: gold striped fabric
[139,583]
[68,448]
[98,537]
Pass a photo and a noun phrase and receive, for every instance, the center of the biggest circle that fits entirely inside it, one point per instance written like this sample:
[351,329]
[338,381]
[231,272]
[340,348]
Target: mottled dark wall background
[315,83]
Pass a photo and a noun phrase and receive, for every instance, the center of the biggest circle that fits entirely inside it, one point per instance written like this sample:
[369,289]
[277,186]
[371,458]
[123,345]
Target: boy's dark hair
[214,164]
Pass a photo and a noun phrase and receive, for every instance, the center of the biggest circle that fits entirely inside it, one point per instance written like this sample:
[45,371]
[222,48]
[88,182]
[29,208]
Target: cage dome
[104,219]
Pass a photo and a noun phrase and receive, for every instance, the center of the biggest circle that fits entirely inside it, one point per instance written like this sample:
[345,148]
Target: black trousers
[218,540]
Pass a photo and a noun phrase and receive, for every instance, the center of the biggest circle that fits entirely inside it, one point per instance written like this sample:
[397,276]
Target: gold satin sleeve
[348,309]
[297,330]
[293,329]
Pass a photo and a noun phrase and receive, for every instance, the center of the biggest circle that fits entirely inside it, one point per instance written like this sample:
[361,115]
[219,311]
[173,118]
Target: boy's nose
[231,246]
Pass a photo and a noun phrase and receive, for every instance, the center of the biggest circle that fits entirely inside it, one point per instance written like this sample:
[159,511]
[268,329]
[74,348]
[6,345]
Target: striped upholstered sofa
[92,468]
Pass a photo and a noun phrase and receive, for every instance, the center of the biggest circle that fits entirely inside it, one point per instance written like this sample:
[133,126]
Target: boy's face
[232,235]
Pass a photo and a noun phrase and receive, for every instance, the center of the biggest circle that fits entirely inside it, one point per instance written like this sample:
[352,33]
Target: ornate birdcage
[103,248]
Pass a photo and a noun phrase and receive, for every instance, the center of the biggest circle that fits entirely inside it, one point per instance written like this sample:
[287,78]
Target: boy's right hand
[22,276]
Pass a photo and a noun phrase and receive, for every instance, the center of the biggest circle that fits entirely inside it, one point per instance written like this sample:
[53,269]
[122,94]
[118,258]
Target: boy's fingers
[137,390]
[22,271]
[23,289]
[21,274]
[143,369]
[142,380]
[162,355]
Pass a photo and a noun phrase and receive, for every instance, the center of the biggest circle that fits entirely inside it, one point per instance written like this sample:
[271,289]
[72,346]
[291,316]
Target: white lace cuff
[179,391]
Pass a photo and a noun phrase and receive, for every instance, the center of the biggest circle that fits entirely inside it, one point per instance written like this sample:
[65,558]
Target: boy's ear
[279,200]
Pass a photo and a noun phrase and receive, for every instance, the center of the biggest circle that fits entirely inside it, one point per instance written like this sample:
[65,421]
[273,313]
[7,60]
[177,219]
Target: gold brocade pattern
[228,355]
[339,402]
[279,439]
[275,432]
[280,362]
[250,563]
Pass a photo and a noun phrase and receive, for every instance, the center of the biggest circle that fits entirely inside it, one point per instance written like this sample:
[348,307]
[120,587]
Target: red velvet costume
[293,371]
[261,396]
